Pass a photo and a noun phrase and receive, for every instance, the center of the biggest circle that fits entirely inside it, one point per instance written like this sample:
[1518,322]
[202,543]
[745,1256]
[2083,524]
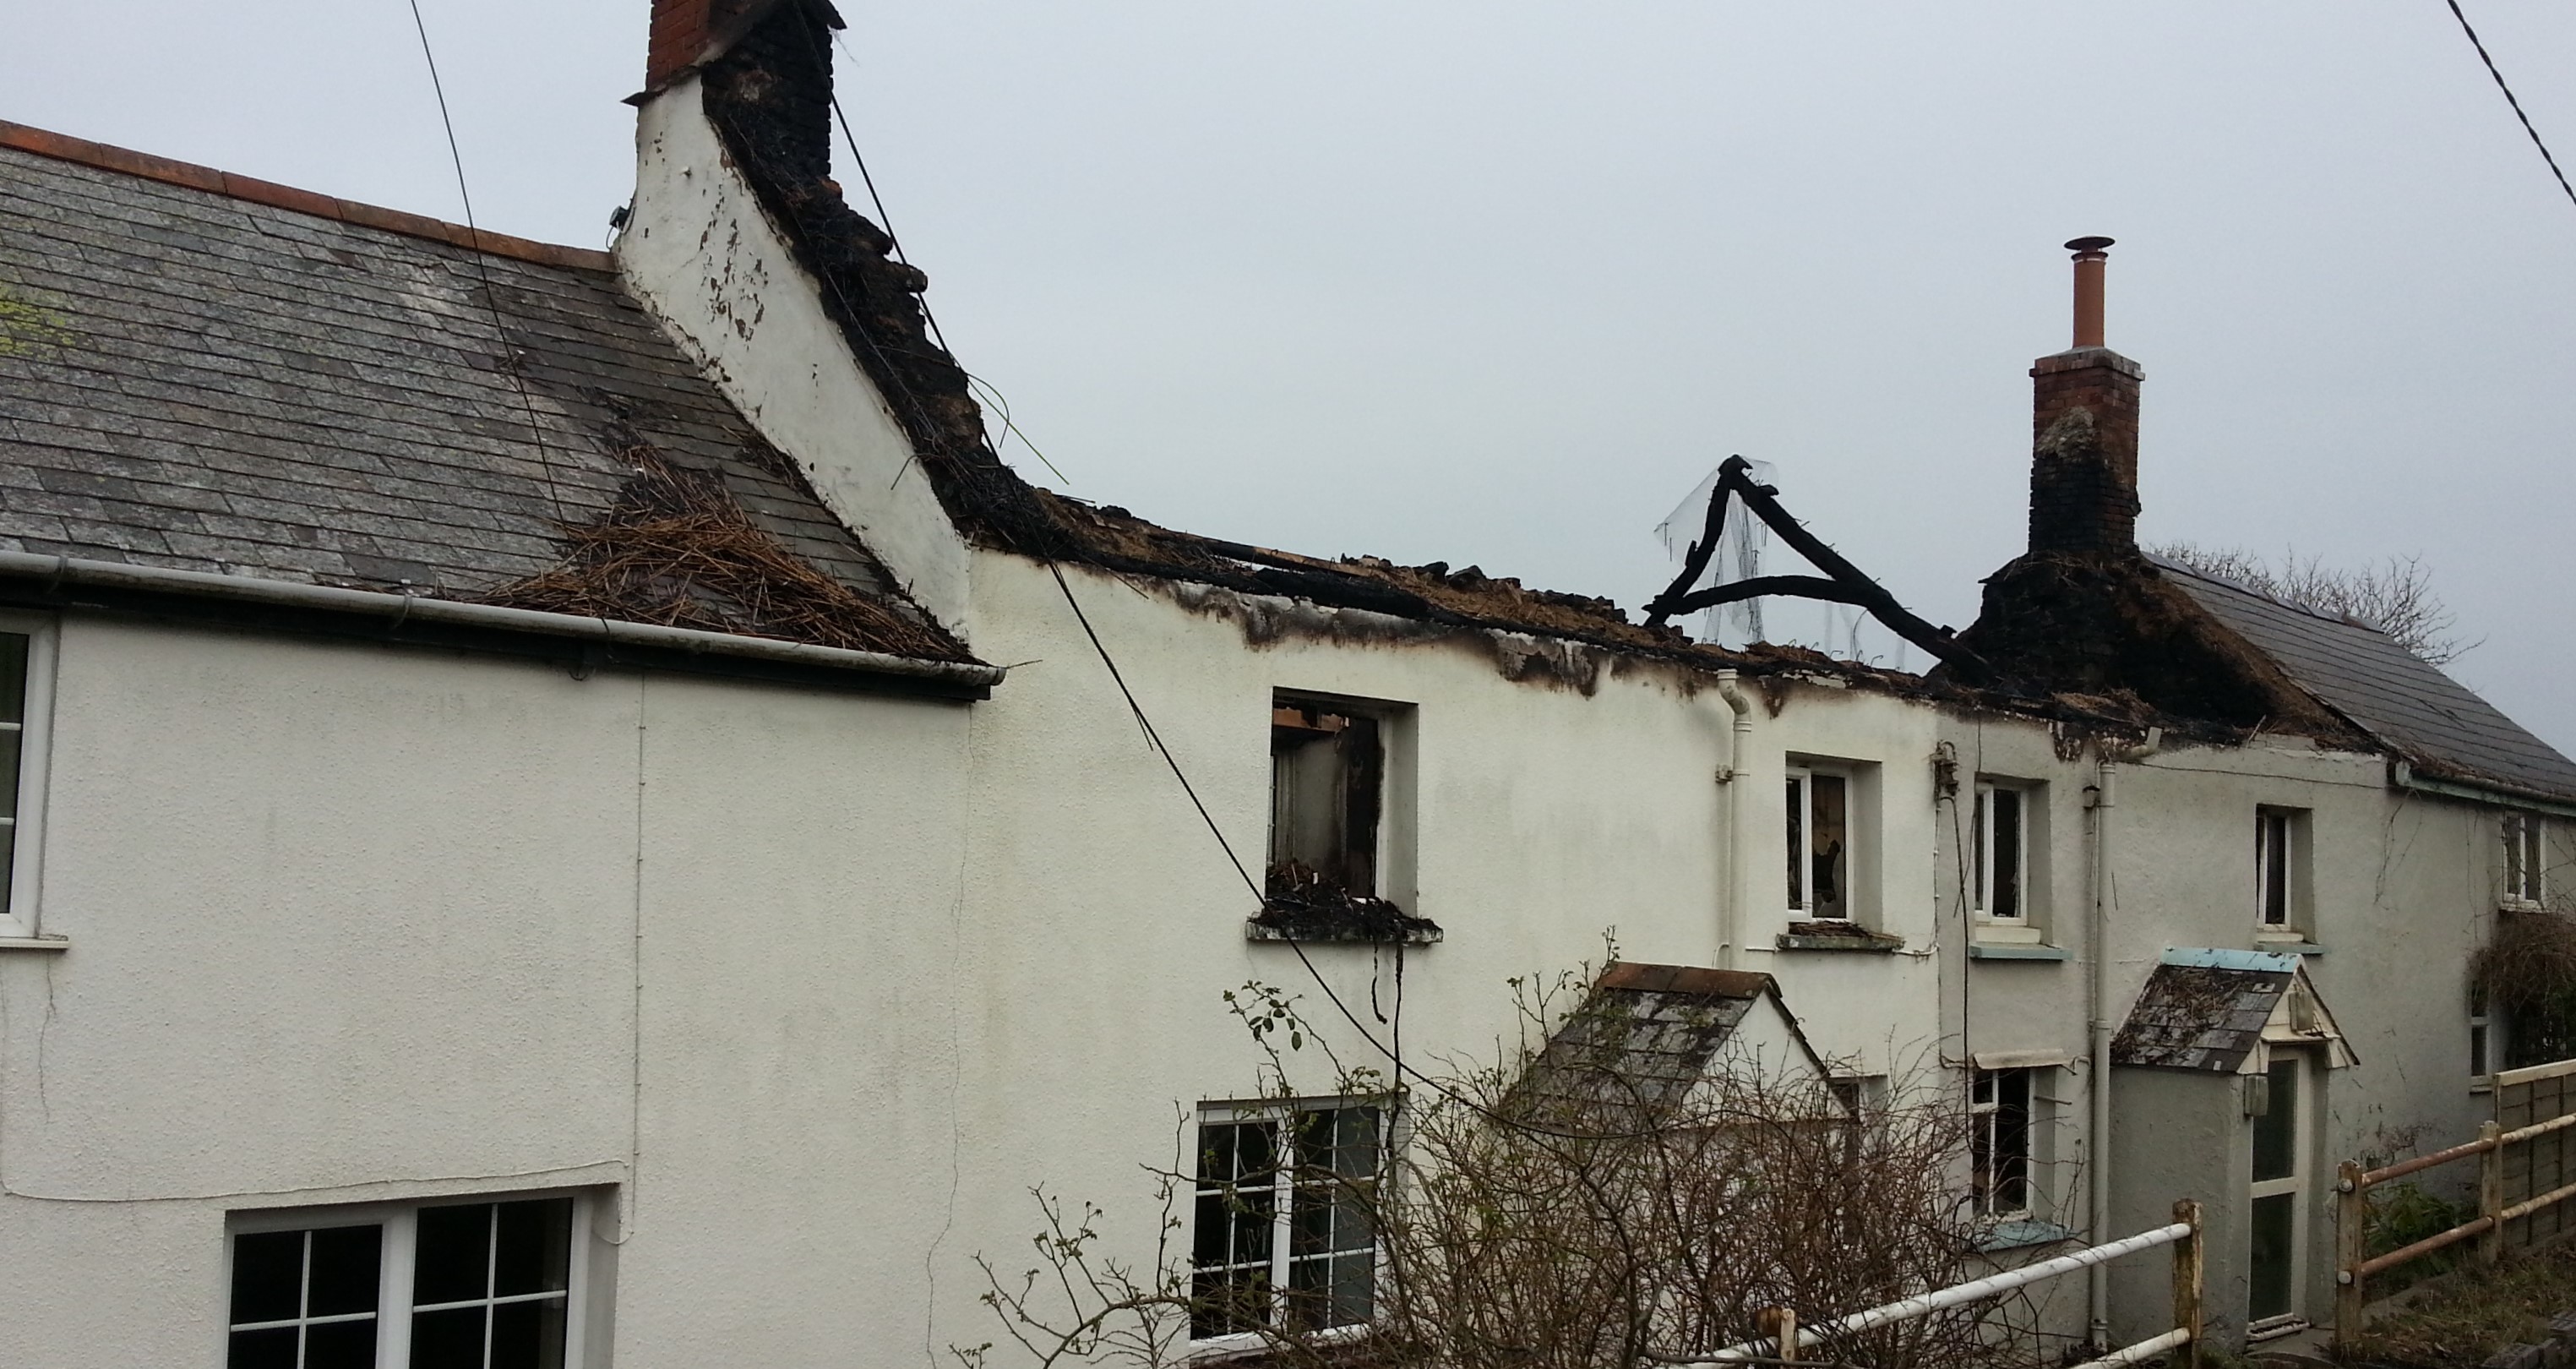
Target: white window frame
[2526,860]
[1801,893]
[2485,1042]
[1982,1115]
[2277,839]
[395,1265]
[1983,825]
[20,921]
[1283,1113]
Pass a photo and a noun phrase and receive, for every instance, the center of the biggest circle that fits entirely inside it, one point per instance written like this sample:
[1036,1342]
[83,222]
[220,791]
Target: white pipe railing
[1766,1348]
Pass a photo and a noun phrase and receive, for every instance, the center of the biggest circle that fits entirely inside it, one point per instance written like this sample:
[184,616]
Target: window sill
[1330,915]
[2287,945]
[1253,1345]
[1837,936]
[35,943]
[1989,950]
[2017,1234]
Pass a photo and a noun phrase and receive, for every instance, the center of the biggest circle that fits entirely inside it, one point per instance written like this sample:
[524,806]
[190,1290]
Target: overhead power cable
[483,267]
[2510,100]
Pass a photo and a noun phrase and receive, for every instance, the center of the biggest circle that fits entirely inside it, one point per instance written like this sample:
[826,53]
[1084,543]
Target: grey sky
[1497,282]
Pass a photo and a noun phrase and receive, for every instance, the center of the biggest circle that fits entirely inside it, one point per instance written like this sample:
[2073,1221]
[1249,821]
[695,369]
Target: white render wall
[357,924]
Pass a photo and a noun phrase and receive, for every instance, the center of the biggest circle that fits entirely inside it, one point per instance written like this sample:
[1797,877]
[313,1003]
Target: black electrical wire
[2509,99]
[483,267]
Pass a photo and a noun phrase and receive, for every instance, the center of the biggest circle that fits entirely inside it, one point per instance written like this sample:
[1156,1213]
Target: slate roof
[2205,1016]
[2389,692]
[1641,1039]
[197,380]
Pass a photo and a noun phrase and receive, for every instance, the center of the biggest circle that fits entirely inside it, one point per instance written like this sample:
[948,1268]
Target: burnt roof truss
[1841,583]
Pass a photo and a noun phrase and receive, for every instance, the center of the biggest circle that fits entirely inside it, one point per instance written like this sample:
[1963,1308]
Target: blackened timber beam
[1848,584]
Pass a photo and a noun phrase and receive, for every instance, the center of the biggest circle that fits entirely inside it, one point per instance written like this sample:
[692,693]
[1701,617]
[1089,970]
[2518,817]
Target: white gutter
[2097,1168]
[1730,910]
[399,609]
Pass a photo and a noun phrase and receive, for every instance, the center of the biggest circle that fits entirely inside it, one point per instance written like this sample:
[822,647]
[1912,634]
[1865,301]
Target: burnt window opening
[1327,792]
[1819,845]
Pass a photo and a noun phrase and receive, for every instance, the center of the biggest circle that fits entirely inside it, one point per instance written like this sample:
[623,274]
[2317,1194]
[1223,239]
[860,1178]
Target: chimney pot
[2084,430]
[2089,262]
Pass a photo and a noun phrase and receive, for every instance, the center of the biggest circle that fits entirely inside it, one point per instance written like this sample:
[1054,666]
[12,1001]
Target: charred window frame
[1999,1143]
[2001,853]
[2526,859]
[2281,872]
[1328,770]
[1284,1233]
[1818,831]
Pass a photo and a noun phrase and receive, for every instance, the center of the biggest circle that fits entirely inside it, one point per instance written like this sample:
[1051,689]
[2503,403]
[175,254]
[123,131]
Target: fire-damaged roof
[209,375]
[2208,1010]
[1646,1035]
[2398,698]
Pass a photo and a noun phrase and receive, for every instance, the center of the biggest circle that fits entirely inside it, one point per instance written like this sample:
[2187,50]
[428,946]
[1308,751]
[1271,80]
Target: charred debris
[2087,637]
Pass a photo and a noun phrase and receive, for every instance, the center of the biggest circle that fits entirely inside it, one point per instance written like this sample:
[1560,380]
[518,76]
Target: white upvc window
[1818,835]
[26,714]
[2526,859]
[2002,859]
[455,1283]
[2280,876]
[1999,1143]
[1285,1202]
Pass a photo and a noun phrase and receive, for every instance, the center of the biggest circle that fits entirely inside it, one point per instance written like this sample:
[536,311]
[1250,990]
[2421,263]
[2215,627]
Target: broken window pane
[1285,1204]
[1797,811]
[1327,773]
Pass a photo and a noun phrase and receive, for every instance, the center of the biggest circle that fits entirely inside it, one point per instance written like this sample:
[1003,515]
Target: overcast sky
[1498,282]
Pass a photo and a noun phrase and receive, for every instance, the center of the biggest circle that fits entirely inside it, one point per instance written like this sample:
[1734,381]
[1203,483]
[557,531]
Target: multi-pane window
[1999,1134]
[14,651]
[1285,1236]
[1327,789]
[438,1286]
[1819,844]
[2276,872]
[2525,857]
[2000,852]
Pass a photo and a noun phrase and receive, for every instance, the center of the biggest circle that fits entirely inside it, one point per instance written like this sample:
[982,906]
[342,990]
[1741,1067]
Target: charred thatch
[677,549]
[2109,624]
[770,99]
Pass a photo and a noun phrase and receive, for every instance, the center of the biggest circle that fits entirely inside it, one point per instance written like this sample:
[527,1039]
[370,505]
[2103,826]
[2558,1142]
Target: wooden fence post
[2352,1246]
[2187,1284]
[2491,1192]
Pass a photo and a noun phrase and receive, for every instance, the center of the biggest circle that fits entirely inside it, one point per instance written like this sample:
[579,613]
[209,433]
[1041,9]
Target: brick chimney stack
[2084,429]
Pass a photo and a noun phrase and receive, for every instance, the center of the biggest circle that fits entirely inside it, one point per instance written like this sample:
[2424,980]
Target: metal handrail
[2187,1270]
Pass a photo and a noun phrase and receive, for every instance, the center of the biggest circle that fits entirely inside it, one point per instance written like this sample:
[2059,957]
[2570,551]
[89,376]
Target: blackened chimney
[2084,431]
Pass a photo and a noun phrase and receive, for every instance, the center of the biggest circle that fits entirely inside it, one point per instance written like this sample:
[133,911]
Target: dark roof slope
[2396,696]
[213,382]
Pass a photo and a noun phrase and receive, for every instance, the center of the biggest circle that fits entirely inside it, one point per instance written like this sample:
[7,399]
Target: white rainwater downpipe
[1730,910]
[2097,946]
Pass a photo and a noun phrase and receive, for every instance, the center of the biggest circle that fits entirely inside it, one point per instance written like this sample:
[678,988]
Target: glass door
[2276,1208]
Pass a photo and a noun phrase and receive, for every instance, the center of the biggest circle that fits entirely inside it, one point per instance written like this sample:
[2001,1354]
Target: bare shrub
[1551,1210]
[2394,595]
[2528,972]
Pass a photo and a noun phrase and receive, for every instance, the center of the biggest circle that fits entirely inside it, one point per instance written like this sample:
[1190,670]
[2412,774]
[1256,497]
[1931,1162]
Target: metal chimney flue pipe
[2090,258]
